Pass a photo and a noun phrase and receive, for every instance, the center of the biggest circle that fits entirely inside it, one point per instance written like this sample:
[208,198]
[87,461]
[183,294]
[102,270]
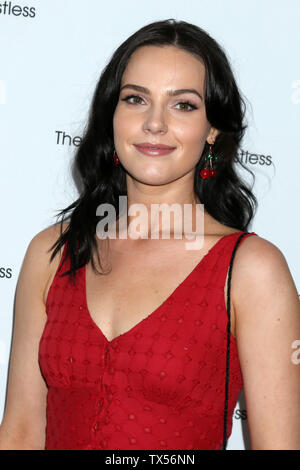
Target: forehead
[164,66]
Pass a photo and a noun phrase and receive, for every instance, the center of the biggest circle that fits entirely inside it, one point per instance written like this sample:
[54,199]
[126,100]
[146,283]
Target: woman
[147,347]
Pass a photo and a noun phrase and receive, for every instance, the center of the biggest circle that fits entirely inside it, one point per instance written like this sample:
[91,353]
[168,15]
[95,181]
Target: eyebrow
[169,92]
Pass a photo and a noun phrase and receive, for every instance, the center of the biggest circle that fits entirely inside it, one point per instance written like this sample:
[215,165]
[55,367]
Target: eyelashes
[186,102]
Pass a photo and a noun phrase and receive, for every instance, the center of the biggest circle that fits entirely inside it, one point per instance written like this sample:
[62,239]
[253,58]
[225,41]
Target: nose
[155,121]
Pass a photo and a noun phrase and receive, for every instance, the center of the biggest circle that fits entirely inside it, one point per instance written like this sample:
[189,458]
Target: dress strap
[228,334]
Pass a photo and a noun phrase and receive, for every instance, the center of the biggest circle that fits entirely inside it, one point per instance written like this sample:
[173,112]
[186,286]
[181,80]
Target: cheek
[123,126]
[192,135]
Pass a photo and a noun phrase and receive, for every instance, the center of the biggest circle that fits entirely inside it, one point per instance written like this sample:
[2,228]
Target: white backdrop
[52,53]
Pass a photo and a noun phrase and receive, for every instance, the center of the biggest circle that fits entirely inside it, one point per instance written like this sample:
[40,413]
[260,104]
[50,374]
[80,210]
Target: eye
[127,98]
[189,104]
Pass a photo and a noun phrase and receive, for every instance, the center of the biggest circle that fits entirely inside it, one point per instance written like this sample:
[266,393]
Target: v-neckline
[152,314]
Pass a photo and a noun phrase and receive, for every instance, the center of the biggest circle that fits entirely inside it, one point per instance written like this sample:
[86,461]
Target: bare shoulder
[39,252]
[260,273]
[42,242]
[267,315]
[24,419]
[49,234]
[256,255]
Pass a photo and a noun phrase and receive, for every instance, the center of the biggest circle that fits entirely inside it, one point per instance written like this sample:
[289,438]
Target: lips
[154,146]
[154,151]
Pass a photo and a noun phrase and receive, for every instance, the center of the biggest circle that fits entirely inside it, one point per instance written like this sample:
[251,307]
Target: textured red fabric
[160,385]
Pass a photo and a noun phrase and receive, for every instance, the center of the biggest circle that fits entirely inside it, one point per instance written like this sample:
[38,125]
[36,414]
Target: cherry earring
[209,172]
[116,159]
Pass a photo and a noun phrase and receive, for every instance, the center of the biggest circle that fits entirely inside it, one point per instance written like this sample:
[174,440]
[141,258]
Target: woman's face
[155,116]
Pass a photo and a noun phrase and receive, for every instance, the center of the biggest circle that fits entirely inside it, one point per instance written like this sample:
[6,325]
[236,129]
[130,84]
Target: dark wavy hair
[226,197]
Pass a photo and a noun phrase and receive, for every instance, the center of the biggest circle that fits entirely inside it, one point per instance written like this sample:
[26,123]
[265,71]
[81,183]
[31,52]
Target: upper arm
[24,419]
[267,313]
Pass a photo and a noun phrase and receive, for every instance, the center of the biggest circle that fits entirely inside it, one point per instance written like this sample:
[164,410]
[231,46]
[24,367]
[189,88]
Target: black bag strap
[228,339]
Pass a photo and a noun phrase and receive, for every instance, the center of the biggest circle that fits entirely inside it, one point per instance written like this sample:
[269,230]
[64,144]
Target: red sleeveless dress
[160,385]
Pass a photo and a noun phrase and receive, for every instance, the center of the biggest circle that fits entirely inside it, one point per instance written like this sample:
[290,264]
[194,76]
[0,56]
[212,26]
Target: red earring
[116,159]
[209,172]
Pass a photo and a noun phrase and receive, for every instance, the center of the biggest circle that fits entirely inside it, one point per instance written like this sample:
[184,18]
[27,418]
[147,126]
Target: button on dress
[160,385]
